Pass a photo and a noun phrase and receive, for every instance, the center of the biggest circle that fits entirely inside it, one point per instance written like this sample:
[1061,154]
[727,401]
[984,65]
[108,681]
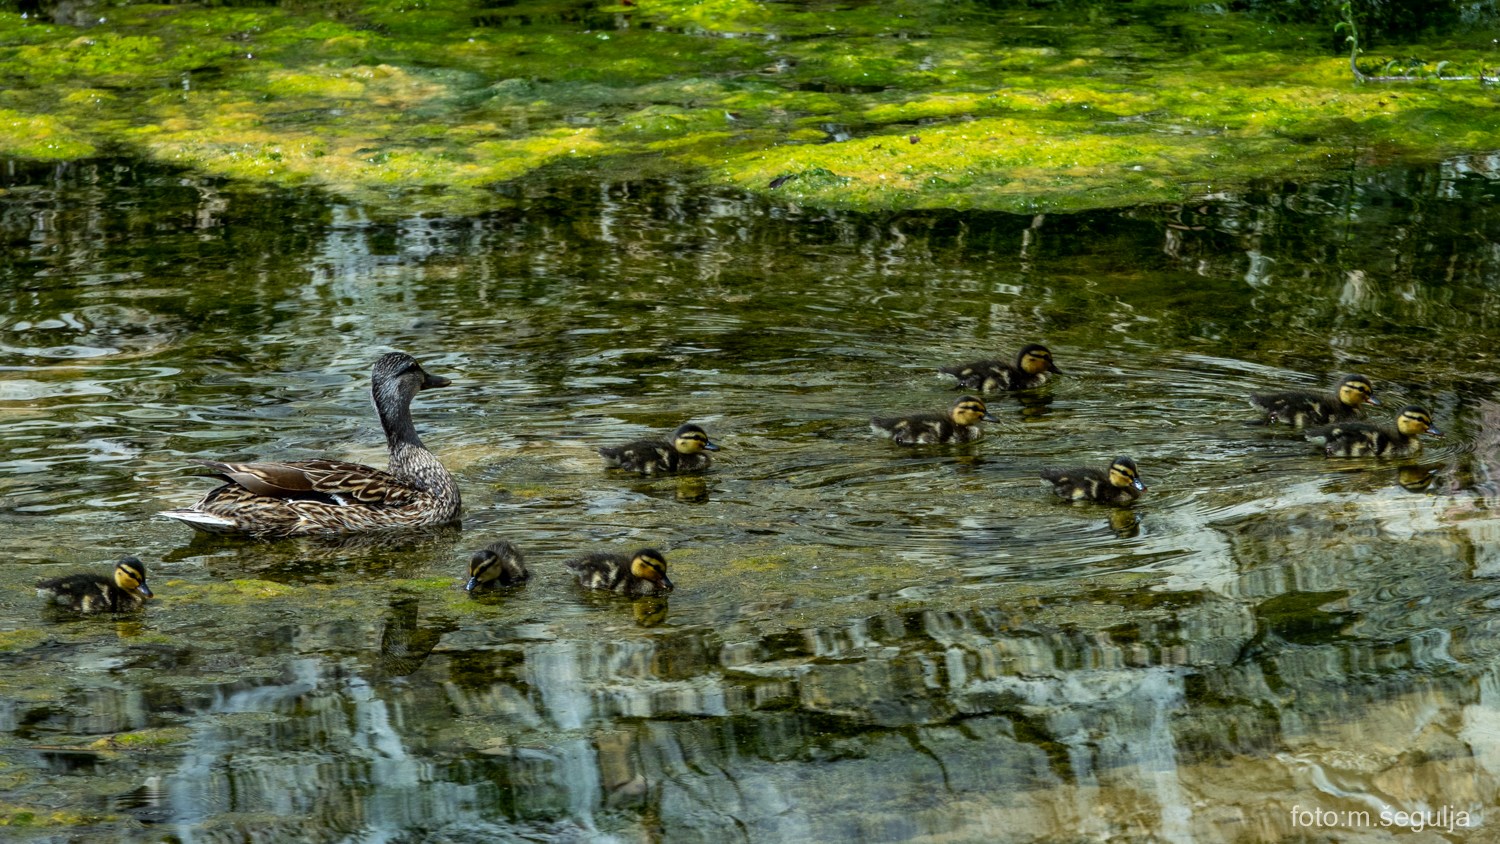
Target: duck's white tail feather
[206,522]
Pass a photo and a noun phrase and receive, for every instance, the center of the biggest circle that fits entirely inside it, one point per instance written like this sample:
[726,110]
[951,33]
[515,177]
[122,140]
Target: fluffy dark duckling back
[497,564]
[1363,439]
[641,573]
[1033,363]
[1119,484]
[93,593]
[959,425]
[684,452]
[1302,409]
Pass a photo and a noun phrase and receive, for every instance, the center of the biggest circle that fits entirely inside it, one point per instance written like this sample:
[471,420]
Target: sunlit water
[867,643]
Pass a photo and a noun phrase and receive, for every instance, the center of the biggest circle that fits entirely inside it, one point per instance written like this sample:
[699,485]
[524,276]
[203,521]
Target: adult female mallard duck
[1032,364]
[93,593]
[959,425]
[496,564]
[684,452]
[330,497]
[1302,409]
[641,573]
[1119,484]
[1363,439]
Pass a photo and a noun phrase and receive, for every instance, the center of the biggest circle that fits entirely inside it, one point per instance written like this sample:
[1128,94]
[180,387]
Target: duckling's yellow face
[1122,473]
[970,411]
[1355,391]
[483,567]
[1416,420]
[130,575]
[650,565]
[1037,359]
[690,439]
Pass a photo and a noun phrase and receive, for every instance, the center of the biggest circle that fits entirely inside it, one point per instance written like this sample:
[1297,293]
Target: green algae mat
[443,106]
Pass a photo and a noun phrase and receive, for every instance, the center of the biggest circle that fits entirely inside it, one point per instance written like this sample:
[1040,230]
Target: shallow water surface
[867,642]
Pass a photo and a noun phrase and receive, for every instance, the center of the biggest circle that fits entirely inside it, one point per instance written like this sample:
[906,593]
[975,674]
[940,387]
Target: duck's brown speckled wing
[330,481]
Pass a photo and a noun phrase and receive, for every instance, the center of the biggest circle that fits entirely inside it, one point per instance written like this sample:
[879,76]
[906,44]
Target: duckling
[683,453]
[959,425]
[1302,409]
[1362,439]
[1032,364]
[496,564]
[641,573]
[1119,484]
[92,593]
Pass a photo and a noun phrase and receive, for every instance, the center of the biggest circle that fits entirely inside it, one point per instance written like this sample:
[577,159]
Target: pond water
[866,643]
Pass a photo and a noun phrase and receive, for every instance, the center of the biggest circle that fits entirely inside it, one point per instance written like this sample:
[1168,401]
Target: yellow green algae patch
[873,105]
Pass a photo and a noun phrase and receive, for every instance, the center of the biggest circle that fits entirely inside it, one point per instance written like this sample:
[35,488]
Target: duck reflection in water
[404,645]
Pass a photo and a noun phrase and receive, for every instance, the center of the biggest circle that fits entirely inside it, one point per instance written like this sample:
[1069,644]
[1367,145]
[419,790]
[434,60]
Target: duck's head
[130,575]
[649,564]
[969,410]
[1036,359]
[1414,419]
[1355,390]
[690,439]
[1122,473]
[397,376]
[490,562]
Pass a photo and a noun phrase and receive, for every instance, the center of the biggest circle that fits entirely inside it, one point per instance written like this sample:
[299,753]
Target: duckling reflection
[1364,439]
[1416,478]
[1302,409]
[404,646]
[1119,484]
[496,565]
[959,425]
[124,591]
[684,452]
[1032,365]
[650,611]
[641,573]
[1125,523]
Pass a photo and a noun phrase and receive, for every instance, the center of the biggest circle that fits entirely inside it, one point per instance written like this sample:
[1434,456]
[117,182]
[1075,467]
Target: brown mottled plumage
[93,593]
[1363,439]
[496,564]
[1119,484]
[1304,409]
[331,497]
[959,425]
[1032,364]
[684,452]
[641,573]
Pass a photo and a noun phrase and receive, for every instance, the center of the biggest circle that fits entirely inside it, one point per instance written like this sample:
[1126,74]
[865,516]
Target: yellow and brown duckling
[332,497]
[959,425]
[641,573]
[1364,439]
[684,452]
[1302,409]
[1119,484]
[495,565]
[1033,363]
[94,593]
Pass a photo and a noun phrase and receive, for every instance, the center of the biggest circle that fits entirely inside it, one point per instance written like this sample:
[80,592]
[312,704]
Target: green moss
[12,815]
[415,105]
[143,739]
[20,640]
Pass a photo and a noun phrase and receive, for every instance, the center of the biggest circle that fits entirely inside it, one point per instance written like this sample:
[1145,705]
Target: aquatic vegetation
[932,105]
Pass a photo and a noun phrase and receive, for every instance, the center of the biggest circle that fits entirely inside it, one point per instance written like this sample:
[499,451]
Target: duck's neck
[395,418]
